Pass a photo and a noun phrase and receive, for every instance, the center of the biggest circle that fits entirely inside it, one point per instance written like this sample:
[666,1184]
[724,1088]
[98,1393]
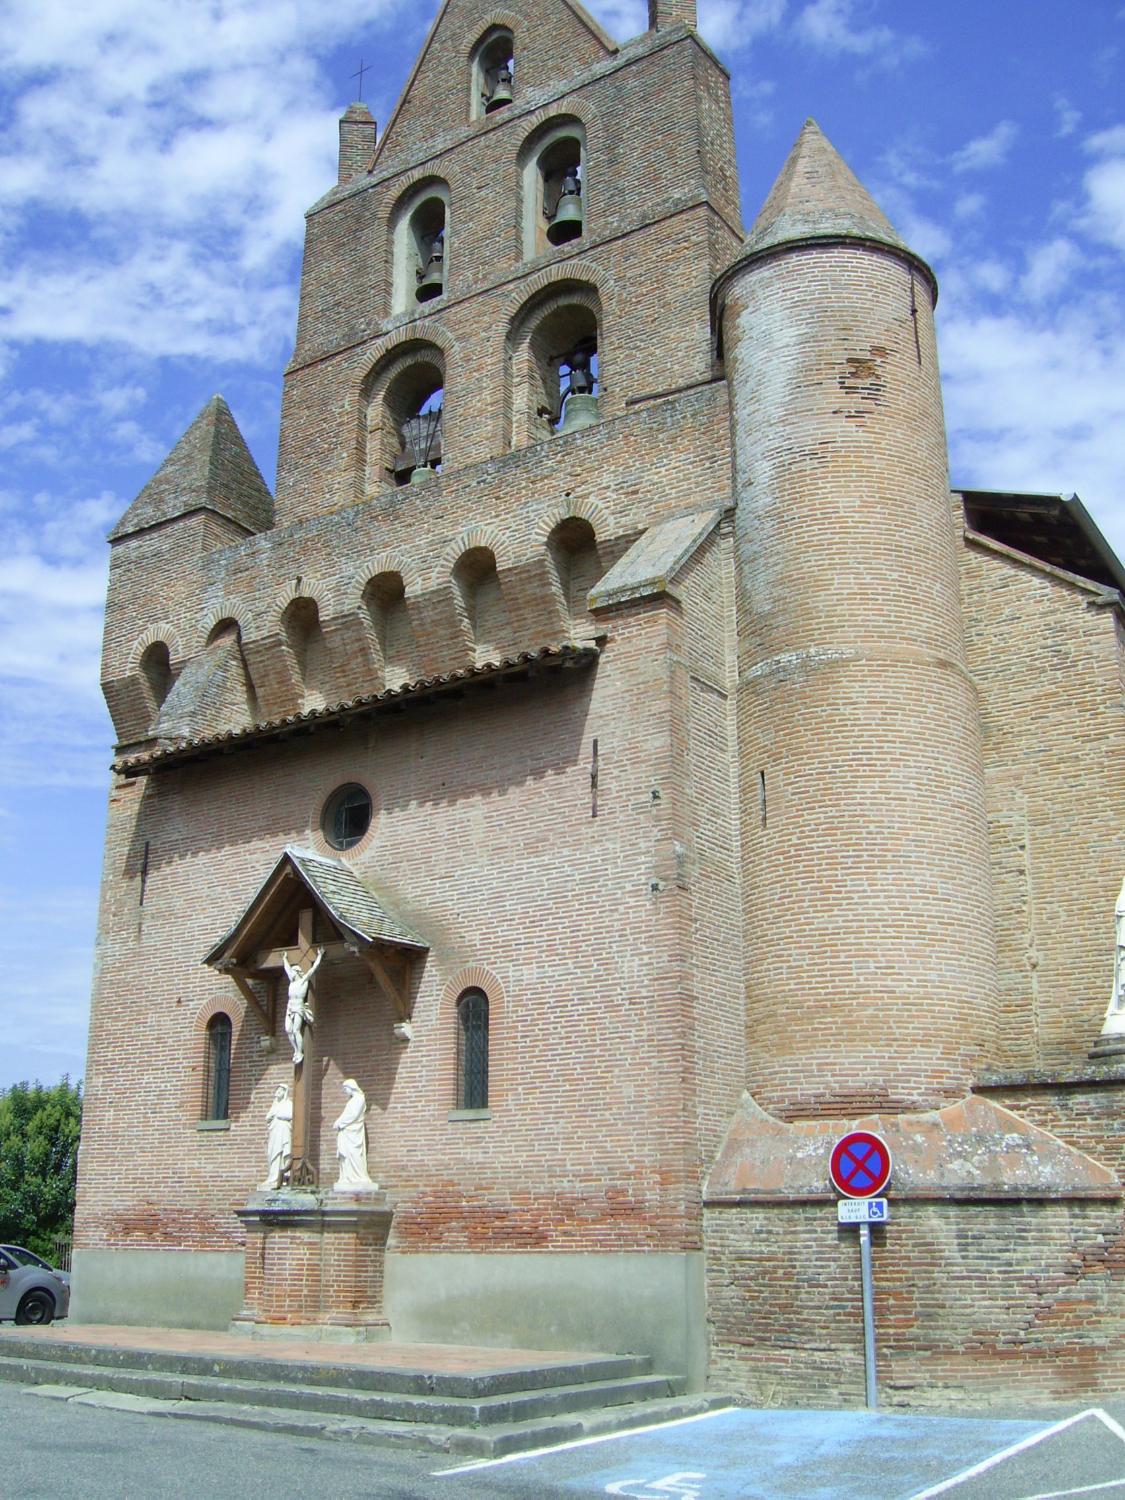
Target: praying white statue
[279,1137]
[351,1143]
[1115,1015]
[298,1011]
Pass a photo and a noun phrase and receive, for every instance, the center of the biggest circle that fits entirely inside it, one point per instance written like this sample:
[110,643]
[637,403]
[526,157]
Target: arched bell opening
[421,247]
[554,188]
[577,565]
[555,364]
[493,73]
[414,409]
[384,599]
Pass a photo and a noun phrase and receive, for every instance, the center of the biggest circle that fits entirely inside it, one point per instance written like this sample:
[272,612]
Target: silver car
[30,1291]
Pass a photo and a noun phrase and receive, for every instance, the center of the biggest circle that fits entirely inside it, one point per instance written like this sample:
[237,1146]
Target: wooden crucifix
[300,1028]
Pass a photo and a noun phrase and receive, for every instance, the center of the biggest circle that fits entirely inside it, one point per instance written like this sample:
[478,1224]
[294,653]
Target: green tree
[38,1162]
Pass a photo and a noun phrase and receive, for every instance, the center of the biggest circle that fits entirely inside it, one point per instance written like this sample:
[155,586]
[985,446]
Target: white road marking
[605,1437]
[1024,1443]
[1086,1489]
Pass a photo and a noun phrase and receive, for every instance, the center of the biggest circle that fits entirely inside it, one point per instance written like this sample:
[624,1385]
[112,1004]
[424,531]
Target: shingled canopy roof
[350,905]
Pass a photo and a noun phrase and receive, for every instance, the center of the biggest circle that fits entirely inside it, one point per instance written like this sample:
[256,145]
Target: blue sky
[156,158]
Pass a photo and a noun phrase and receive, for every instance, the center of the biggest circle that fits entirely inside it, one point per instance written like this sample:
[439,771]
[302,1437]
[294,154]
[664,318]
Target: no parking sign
[860,1168]
[860,1165]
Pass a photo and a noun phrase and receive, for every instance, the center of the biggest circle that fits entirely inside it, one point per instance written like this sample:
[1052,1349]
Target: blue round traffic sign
[860,1165]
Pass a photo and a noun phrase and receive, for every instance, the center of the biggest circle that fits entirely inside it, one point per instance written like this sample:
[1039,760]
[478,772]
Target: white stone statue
[351,1143]
[279,1138]
[1115,1015]
[298,1011]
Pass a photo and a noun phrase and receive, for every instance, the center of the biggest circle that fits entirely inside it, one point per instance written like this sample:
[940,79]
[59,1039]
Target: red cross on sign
[861,1164]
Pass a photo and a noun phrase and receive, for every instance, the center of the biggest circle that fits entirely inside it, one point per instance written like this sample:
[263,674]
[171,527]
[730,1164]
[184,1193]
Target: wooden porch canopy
[312,900]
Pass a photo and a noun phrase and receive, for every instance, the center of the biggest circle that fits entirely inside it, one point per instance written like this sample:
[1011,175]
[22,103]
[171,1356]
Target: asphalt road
[64,1450]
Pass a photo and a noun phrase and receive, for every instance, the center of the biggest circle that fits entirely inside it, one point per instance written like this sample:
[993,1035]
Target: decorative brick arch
[224,611]
[305,588]
[565,278]
[495,20]
[382,562]
[475,536]
[160,634]
[473,977]
[577,509]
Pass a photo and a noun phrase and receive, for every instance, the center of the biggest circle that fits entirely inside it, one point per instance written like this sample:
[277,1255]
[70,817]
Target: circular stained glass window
[346,816]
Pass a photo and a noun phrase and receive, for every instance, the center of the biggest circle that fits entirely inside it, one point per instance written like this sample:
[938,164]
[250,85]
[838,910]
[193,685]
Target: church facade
[663,769]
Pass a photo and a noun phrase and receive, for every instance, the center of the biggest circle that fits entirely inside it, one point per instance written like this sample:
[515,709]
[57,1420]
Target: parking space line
[1028,1442]
[605,1437]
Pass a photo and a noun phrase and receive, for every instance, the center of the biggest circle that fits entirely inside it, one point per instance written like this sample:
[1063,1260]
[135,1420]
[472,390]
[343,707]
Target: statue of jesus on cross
[298,1011]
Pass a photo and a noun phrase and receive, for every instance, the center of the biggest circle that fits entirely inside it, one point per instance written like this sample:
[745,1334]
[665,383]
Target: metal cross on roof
[360,71]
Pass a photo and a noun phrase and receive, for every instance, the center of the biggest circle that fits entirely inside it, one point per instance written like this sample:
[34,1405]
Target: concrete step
[503,1408]
[485,1442]
[323,1371]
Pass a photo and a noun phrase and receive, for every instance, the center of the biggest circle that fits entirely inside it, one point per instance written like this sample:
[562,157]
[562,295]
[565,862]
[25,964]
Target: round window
[346,816]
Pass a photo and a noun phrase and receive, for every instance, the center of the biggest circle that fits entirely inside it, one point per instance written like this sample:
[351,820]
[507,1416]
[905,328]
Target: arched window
[555,372]
[216,1088]
[573,548]
[493,73]
[472,1050]
[420,240]
[554,187]
[156,669]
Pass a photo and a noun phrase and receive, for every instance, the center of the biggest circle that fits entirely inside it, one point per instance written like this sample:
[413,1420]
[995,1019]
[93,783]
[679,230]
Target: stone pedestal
[314,1265]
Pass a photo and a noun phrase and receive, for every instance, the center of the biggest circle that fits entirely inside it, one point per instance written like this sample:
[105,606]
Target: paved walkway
[442,1359]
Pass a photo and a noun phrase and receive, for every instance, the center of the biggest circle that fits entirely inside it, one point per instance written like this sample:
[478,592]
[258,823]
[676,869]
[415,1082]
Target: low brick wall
[985,1299]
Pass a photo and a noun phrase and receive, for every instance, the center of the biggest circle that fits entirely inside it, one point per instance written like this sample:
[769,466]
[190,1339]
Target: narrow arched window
[216,1095]
[472,1050]
[420,247]
[493,73]
[553,174]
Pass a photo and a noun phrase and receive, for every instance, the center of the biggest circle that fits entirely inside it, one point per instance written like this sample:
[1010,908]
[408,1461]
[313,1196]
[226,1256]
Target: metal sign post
[868,1316]
[860,1167]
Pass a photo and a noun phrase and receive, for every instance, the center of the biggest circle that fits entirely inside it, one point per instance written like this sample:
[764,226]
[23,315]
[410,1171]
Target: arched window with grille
[216,1092]
[472,1050]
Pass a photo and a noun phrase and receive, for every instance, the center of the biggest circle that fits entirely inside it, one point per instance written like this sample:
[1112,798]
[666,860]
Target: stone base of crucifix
[314,1266]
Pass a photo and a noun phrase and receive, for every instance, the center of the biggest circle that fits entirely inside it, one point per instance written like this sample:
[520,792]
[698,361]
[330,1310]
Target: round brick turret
[870,951]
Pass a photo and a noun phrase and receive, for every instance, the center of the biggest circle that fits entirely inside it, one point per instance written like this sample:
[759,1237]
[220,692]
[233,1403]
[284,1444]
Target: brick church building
[670,769]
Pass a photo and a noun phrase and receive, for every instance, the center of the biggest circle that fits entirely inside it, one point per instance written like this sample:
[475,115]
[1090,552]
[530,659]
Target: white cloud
[1049,267]
[1039,404]
[1068,118]
[838,27]
[1104,214]
[969,205]
[987,151]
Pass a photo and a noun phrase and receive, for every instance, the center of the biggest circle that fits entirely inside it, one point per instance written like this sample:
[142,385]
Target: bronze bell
[567,222]
[431,277]
[501,93]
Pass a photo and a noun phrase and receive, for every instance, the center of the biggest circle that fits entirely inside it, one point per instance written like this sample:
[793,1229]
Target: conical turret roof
[210,468]
[818,196]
